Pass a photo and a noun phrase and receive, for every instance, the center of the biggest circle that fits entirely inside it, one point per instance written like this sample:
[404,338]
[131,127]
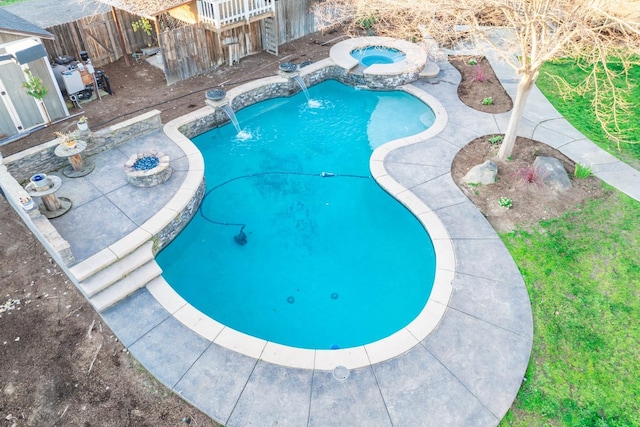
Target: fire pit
[148,169]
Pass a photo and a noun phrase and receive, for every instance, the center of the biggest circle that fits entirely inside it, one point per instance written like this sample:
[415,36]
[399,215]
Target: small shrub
[473,62]
[505,202]
[34,86]
[142,24]
[479,74]
[367,23]
[496,139]
[529,175]
[487,101]
[582,171]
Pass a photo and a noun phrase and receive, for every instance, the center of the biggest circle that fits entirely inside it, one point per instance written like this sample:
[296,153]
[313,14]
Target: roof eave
[45,35]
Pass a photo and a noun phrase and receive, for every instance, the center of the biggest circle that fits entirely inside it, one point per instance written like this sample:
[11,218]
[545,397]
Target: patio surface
[466,372]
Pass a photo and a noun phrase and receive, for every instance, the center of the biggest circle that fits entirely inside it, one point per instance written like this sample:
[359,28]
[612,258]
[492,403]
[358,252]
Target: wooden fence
[295,19]
[98,36]
[192,50]
[188,50]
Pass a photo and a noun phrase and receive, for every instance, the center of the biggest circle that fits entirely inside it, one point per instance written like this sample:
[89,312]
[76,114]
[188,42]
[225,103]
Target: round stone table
[52,205]
[78,167]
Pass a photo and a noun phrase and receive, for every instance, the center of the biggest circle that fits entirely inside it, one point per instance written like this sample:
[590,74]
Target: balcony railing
[222,13]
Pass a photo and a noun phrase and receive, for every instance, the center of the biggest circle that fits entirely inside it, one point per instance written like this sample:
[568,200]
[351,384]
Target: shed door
[7,116]
[15,97]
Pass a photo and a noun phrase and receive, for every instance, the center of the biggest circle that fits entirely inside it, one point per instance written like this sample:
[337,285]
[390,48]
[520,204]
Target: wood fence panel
[295,19]
[134,40]
[193,49]
[188,51]
[98,35]
[67,41]
[100,39]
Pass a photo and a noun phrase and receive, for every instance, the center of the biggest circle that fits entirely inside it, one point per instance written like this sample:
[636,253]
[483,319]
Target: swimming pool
[330,261]
[371,55]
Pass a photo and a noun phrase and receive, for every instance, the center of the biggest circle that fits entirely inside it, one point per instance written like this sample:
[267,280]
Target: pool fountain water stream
[303,86]
[215,98]
[232,116]
[316,249]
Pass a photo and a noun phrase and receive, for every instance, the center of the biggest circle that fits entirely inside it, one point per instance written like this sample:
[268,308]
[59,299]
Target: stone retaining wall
[38,223]
[281,87]
[168,233]
[41,159]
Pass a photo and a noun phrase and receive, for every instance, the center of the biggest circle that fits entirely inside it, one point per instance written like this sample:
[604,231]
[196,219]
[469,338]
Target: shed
[21,53]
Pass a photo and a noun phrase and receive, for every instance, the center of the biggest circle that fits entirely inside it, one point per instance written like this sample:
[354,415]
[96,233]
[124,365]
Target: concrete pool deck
[466,372]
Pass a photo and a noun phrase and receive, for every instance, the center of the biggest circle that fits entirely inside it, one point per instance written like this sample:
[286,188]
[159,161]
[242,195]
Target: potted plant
[66,139]
[83,124]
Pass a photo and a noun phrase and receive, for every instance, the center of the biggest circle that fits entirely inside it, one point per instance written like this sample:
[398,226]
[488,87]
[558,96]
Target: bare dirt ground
[140,87]
[62,366]
[532,201]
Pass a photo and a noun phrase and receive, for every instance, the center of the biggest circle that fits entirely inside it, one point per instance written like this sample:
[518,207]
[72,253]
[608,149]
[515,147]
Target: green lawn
[583,276]
[8,2]
[579,112]
[582,272]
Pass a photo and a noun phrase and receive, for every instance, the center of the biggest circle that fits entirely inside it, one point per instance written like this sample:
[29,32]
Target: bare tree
[538,31]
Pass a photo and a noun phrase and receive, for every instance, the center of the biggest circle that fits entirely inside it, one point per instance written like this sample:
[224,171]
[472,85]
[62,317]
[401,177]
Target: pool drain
[340,373]
[291,300]
[335,295]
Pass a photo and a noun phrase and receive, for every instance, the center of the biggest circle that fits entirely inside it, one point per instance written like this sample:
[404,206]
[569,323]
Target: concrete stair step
[126,286]
[430,70]
[118,270]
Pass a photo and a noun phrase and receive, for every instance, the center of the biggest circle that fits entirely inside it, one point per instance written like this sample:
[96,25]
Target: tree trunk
[46,112]
[524,88]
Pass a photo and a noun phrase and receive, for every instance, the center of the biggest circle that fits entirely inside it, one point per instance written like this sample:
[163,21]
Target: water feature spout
[289,70]
[302,85]
[232,116]
[216,98]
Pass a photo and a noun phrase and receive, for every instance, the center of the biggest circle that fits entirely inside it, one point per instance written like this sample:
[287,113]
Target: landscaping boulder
[552,173]
[482,174]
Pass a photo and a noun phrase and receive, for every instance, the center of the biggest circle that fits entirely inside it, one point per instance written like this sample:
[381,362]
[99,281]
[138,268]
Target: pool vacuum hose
[241,237]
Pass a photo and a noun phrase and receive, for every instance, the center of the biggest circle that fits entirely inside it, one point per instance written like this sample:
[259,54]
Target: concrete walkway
[542,122]
[466,372]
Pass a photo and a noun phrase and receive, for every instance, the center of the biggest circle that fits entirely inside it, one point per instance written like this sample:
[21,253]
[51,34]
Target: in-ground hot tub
[372,55]
[383,62]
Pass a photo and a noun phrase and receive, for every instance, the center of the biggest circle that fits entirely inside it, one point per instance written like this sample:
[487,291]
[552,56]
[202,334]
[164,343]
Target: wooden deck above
[220,15]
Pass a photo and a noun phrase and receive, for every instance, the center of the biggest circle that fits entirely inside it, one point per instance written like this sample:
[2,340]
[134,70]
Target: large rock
[482,174]
[552,173]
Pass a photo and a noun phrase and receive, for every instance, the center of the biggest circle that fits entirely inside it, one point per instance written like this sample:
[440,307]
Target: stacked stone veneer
[282,86]
[41,159]
[19,167]
[148,177]
[38,223]
[171,230]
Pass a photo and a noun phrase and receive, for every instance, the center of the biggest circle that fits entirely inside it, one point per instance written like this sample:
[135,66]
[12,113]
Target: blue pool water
[329,262]
[377,55]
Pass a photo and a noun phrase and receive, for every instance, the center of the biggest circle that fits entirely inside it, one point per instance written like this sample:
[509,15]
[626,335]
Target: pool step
[126,286]
[107,279]
[117,270]
[430,70]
